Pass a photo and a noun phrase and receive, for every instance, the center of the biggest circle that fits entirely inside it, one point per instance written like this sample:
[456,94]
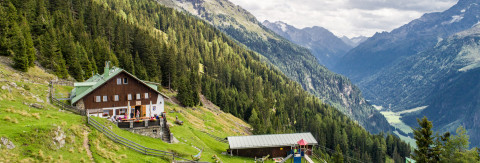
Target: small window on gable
[129,97]
[138,96]
[146,95]
[125,80]
[97,99]
[119,81]
[105,98]
[115,97]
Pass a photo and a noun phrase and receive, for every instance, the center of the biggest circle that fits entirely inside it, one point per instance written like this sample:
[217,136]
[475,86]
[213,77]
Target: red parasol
[302,142]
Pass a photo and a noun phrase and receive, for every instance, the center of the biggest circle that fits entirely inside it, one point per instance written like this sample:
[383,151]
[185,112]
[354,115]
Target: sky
[344,17]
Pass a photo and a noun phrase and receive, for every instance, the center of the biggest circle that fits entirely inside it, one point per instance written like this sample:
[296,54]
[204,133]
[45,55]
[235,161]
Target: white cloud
[344,17]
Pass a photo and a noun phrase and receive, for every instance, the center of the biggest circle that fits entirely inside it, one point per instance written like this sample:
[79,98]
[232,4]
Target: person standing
[138,114]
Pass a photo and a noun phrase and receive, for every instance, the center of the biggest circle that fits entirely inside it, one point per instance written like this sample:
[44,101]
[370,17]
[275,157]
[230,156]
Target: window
[119,81]
[104,98]
[138,96]
[97,99]
[129,96]
[146,95]
[122,111]
[125,80]
[115,97]
[106,113]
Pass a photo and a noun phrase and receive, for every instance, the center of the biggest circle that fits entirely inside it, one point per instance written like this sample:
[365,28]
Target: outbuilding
[275,145]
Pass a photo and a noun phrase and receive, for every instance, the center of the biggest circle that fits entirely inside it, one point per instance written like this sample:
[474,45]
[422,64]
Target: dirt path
[86,146]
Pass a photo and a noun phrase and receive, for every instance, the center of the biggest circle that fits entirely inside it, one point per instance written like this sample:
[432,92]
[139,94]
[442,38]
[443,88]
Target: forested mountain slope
[74,38]
[293,60]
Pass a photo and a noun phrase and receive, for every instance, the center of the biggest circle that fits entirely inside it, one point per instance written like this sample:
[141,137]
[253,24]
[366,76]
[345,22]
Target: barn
[275,145]
[117,92]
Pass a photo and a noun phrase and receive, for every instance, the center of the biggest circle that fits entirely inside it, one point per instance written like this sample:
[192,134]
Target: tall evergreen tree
[424,140]
[338,156]
[19,49]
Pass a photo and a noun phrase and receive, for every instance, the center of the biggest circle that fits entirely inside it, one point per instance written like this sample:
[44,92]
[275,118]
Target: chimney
[106,70]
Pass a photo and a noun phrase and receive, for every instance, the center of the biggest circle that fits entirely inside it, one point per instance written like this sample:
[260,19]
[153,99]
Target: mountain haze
[384,49]
[323,44]
[293,60]
[354,41]
[431,62]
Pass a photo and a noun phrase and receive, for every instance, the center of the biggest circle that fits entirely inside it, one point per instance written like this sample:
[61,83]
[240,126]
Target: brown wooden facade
[111,88]
[272,151]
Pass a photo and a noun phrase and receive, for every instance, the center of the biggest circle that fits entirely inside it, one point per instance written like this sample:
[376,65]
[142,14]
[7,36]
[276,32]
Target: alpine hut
[117,92]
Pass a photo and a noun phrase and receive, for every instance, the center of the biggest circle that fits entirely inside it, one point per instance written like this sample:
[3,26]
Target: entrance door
[138,109]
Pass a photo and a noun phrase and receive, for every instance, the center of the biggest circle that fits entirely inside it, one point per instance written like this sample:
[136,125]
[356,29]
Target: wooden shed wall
[260,152]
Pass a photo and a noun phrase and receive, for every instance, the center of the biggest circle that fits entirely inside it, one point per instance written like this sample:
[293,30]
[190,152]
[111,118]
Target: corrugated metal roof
[274,140]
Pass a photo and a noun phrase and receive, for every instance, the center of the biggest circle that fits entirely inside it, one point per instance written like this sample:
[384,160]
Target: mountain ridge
[323,44]
[385,48]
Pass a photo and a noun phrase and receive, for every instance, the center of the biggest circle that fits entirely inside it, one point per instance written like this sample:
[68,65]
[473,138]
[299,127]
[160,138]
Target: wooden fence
[219,139]
[132,145]
[65,106]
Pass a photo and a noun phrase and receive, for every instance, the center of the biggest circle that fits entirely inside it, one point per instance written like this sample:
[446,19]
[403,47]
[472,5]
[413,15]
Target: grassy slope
[32,130]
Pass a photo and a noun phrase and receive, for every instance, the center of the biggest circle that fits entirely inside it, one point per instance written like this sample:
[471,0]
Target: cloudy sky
[344,17]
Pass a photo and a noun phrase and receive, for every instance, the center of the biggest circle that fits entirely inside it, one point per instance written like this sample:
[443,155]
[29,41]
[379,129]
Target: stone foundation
[151,131]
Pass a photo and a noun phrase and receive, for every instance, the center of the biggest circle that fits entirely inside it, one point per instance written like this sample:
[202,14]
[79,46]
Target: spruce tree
[30,49]
[18,49]
[424,141]
[338,156]
[3,31]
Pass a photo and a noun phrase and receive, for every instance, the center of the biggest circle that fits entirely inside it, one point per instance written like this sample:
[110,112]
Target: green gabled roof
[97,80]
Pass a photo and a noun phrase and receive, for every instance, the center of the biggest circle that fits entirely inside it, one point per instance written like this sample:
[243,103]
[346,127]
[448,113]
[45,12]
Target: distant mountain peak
[354,41]
[326,47]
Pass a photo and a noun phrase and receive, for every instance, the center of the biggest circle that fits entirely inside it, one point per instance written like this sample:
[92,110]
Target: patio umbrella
[302,142]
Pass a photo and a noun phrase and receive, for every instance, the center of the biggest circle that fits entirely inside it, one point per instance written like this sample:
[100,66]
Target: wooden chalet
[275,145]
[117,92]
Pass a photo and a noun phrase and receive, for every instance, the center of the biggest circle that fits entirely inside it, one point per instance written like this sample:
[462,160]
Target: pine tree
[30,49]
[140,71]
[52,56]
[4,44]
[85,63]
[18,49]
[184,92]
[424,141]
[338,156]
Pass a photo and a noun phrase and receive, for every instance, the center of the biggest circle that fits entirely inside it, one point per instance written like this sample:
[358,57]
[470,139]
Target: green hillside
[33,130]
[72,39]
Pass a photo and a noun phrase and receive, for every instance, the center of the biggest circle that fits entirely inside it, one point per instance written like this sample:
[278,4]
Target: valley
[394,119]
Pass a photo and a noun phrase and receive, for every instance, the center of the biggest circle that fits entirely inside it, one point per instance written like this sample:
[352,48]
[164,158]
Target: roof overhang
[84,84]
